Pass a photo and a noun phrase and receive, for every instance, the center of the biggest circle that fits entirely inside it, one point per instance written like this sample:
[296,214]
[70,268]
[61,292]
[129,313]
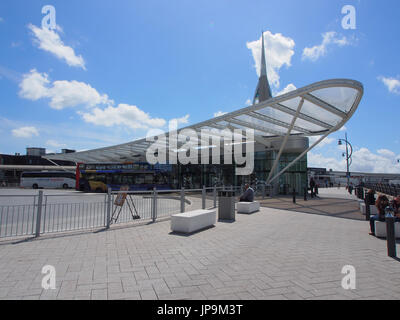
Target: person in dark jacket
[370,197]
[312,186]
[381,203]
[248,195]
[395,203]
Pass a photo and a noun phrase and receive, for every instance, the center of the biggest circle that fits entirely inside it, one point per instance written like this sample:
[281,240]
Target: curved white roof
[315,110]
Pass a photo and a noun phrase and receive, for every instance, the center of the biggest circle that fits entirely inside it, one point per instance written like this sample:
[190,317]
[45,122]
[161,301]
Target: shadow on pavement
[333,207]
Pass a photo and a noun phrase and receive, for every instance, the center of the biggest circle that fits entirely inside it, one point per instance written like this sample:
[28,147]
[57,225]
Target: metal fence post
[39,213]
[154,208]
[215,196]
[203,198]
[108,212]
[263,191]
[182,200]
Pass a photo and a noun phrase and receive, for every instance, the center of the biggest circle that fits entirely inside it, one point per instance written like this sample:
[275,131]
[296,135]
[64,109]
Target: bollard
[294,195]
[203,198]
[367,211]
[109,203]
[154,205]
[305,193]
[215,196]
[39,213]
[390,237]
[182,200]
[390,231]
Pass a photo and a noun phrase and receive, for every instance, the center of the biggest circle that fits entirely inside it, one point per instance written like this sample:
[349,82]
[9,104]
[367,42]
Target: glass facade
[196,176]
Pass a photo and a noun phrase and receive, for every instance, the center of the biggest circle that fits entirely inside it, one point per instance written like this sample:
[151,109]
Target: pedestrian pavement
[332,202]
[268,255]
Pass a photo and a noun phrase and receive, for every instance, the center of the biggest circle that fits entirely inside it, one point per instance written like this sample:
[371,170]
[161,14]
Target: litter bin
[226,205]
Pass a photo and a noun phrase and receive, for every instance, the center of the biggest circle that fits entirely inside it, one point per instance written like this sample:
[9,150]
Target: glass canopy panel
[256,132]
[342,98]
[276,114]
[262,124]
[213,132]
[314,111]
[223,123]
[287,118]
[308,125]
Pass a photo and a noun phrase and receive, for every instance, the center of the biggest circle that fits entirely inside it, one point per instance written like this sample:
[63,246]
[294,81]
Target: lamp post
[348,156]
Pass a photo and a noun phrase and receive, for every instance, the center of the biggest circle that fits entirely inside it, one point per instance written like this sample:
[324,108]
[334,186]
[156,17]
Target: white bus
[48,179]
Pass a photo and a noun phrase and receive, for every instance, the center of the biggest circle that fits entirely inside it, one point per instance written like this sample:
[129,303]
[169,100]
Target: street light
[348,156]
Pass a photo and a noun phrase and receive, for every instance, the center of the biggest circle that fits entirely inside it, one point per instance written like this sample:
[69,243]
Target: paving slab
[277,253]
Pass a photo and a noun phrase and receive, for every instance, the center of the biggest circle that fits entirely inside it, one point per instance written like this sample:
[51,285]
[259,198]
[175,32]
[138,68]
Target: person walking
[312,186]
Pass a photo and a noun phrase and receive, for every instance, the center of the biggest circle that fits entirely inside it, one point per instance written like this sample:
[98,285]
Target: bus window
[116,179]
[148,179]
[139,179]
[126,179]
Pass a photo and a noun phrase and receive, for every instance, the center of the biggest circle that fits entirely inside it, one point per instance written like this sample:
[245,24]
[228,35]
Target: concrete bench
[192,221]
[373,209]
[248,207]
[380,229]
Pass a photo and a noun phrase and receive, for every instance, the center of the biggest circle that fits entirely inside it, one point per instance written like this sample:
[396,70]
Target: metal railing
[389,189]
[33,215]
[17,215]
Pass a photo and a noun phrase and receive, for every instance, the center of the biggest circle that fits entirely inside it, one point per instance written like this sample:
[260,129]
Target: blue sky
[111,70]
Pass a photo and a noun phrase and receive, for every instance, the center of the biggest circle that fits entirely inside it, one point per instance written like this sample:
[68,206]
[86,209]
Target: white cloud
[49,40]
[123,114]
[288,88]
[328,38]
[279,52]
[25,132]
[62,94]
[1,19]
[344,128]
[247,103]
[55,144]
[387,153]
[72,93]
[323,143]
[34,85]
[10,74]
[363,160]
[219,114]
[317,160]
[392,84]
[182,120]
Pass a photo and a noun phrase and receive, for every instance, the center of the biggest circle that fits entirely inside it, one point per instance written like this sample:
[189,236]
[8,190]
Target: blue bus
[139,176]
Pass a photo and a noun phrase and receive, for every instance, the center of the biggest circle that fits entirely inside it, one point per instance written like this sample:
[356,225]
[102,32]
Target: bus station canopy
[315,110]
